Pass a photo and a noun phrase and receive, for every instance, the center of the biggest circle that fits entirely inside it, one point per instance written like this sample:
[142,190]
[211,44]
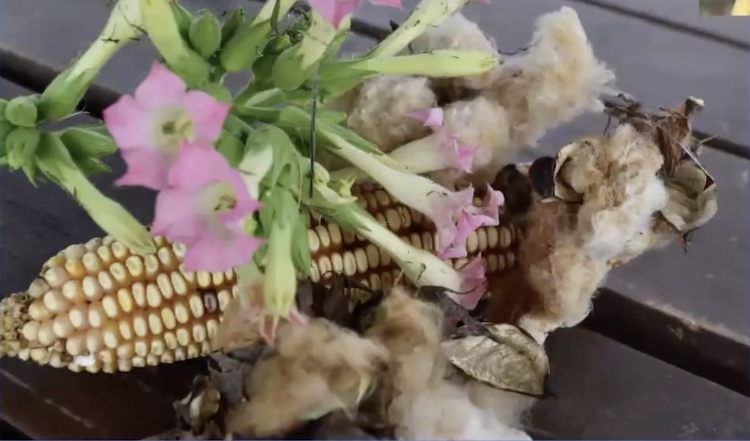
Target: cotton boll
[447,412]
[556,80]
[621,203]
[458,33]
[509,408]
[318,367]
[484,125]
[380,113]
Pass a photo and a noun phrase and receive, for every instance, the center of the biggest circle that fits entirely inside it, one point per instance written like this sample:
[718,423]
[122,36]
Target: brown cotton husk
[316,368]
[458,33]
[617,179]
[380,111]
[558,270]
[556,80]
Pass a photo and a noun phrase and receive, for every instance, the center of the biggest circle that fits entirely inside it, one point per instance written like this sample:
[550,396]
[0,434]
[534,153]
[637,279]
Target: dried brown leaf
[517,363]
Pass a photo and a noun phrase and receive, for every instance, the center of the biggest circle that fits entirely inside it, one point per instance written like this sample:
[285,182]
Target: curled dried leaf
[692,199]
[513,361]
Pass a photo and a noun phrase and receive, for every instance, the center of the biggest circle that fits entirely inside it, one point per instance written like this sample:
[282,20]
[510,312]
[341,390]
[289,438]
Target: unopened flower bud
[21,143]
[21,111]
[205,34]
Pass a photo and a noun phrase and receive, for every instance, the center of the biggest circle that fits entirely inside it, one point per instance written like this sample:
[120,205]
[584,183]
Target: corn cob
[97,307]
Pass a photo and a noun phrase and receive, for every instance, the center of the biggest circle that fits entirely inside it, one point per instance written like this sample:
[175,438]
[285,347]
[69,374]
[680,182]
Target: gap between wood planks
[696,349]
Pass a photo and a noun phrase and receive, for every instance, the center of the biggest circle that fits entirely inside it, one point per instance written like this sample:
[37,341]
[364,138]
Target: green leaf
[300,245]
[218,92]
[231,147]
[92,166]
[285,166]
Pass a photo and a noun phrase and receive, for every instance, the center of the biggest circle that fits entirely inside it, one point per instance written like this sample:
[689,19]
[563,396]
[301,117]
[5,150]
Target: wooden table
[665,353]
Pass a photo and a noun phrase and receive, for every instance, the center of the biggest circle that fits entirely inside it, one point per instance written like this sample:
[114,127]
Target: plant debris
[358,368]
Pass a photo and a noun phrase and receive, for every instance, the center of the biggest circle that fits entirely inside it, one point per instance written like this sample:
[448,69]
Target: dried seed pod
[149,310]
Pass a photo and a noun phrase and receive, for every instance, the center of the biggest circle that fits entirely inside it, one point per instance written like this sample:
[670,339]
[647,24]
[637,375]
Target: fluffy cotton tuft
[570,248]
[555,81]
[459,33]
[318,367]
[420,401]
[482,124]
[380,111]
[619,204]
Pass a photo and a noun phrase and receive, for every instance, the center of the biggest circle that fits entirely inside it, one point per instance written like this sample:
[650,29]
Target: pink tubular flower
[456,218]
[438,151]
[336,10]
[474,284]
[203,207]
[150,126]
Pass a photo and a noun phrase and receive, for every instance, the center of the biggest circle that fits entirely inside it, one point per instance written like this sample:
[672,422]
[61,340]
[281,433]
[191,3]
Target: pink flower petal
[429,117]
[462,156]
[207,115]
[447,211]
[335,10]
[161,88]
[177,217]
[146,168]
[129,124]
[197,166]
[389,3]
[220,249]
[474,284]
[489,213]
[465,226]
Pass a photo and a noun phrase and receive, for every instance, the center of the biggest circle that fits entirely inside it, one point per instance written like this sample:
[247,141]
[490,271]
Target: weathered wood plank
[657,65]
[682,16]
[607,391]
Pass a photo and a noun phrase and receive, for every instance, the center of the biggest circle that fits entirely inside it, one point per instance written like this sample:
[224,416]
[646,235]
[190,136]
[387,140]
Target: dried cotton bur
[614,200]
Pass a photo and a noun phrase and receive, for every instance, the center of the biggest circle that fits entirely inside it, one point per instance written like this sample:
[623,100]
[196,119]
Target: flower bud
[183,18]
[22,144]
[21,111]
[248,41]
[231,24]
[297,63]
[205,34]
[83,143]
